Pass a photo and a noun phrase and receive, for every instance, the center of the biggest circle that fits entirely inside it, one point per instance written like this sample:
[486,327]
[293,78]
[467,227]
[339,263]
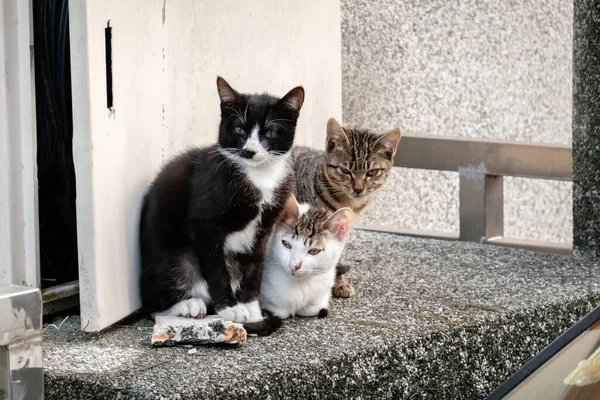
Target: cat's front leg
[247,308]
[188,291]
[234,291]
[342,288]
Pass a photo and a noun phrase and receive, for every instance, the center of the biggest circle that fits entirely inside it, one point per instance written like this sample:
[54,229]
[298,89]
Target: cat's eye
[372,172]
[286,244]
[271,134]
[239,130]
[314,252]
[345,171]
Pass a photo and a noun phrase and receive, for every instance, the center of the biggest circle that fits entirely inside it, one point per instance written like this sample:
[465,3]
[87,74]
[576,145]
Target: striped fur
[354,166]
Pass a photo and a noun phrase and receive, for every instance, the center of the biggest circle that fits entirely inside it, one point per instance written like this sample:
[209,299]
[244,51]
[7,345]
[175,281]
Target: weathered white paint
[19,259]
[166,57]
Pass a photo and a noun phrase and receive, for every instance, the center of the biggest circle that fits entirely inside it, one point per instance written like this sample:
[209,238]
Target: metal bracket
[21,370]
[481,208]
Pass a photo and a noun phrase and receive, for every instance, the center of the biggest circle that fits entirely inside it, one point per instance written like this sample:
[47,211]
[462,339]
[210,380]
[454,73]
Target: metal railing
[60,297]
[482,165]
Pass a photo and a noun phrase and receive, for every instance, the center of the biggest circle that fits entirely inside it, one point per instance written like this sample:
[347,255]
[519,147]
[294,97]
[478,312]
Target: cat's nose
[249,153]
[358,190]
[295,267]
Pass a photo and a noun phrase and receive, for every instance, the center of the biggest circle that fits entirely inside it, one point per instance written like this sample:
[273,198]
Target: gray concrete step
[431,319]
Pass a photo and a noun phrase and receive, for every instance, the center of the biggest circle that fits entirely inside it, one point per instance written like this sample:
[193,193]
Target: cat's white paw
[255,314]
[190,308]
[242,312]
[237,313]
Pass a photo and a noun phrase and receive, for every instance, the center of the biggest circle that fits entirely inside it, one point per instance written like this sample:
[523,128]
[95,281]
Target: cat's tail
[269,324]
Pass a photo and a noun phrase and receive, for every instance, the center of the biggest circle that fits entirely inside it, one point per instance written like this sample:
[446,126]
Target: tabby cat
[208,214]
[354,165]
[301,258]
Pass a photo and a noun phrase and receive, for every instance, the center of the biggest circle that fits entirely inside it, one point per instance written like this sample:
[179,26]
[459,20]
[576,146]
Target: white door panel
[166,56]
[19,257]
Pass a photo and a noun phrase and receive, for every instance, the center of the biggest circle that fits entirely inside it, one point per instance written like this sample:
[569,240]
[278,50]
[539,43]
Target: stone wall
[586,127]
[482,69]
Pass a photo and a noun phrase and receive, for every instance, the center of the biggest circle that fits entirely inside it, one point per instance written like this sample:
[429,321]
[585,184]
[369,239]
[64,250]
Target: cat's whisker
[330,186]
[276,121]
[275,157]
[336,192]
[269,116]
[273,120]
[227,160]
[215,153]
[272,159]
[238,114]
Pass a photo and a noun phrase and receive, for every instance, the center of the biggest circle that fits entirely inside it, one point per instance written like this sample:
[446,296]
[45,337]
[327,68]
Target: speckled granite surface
[586,127]
[482,69]
[431,318]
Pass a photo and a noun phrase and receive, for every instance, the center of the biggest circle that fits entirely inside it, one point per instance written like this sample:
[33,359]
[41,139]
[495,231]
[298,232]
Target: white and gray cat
[301,258]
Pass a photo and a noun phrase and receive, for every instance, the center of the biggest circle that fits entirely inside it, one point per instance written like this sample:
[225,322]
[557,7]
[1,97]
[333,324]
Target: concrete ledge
[431,318]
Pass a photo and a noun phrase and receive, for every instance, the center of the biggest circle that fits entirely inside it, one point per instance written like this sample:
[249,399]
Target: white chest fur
[267,177]
[286,296]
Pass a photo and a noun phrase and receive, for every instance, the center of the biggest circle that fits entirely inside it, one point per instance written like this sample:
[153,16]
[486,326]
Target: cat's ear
[335,135]
[291,211]
[293,101]
[339,223]
[389,142]
[226,93]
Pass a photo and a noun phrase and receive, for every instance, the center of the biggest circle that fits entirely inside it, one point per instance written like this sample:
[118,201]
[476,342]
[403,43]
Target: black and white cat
[208,214]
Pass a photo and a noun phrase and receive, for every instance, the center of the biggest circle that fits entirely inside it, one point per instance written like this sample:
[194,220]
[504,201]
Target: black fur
[200,197]
[265,327]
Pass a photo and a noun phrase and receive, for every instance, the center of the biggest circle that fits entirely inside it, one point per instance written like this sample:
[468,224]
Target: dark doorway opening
[56,173]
